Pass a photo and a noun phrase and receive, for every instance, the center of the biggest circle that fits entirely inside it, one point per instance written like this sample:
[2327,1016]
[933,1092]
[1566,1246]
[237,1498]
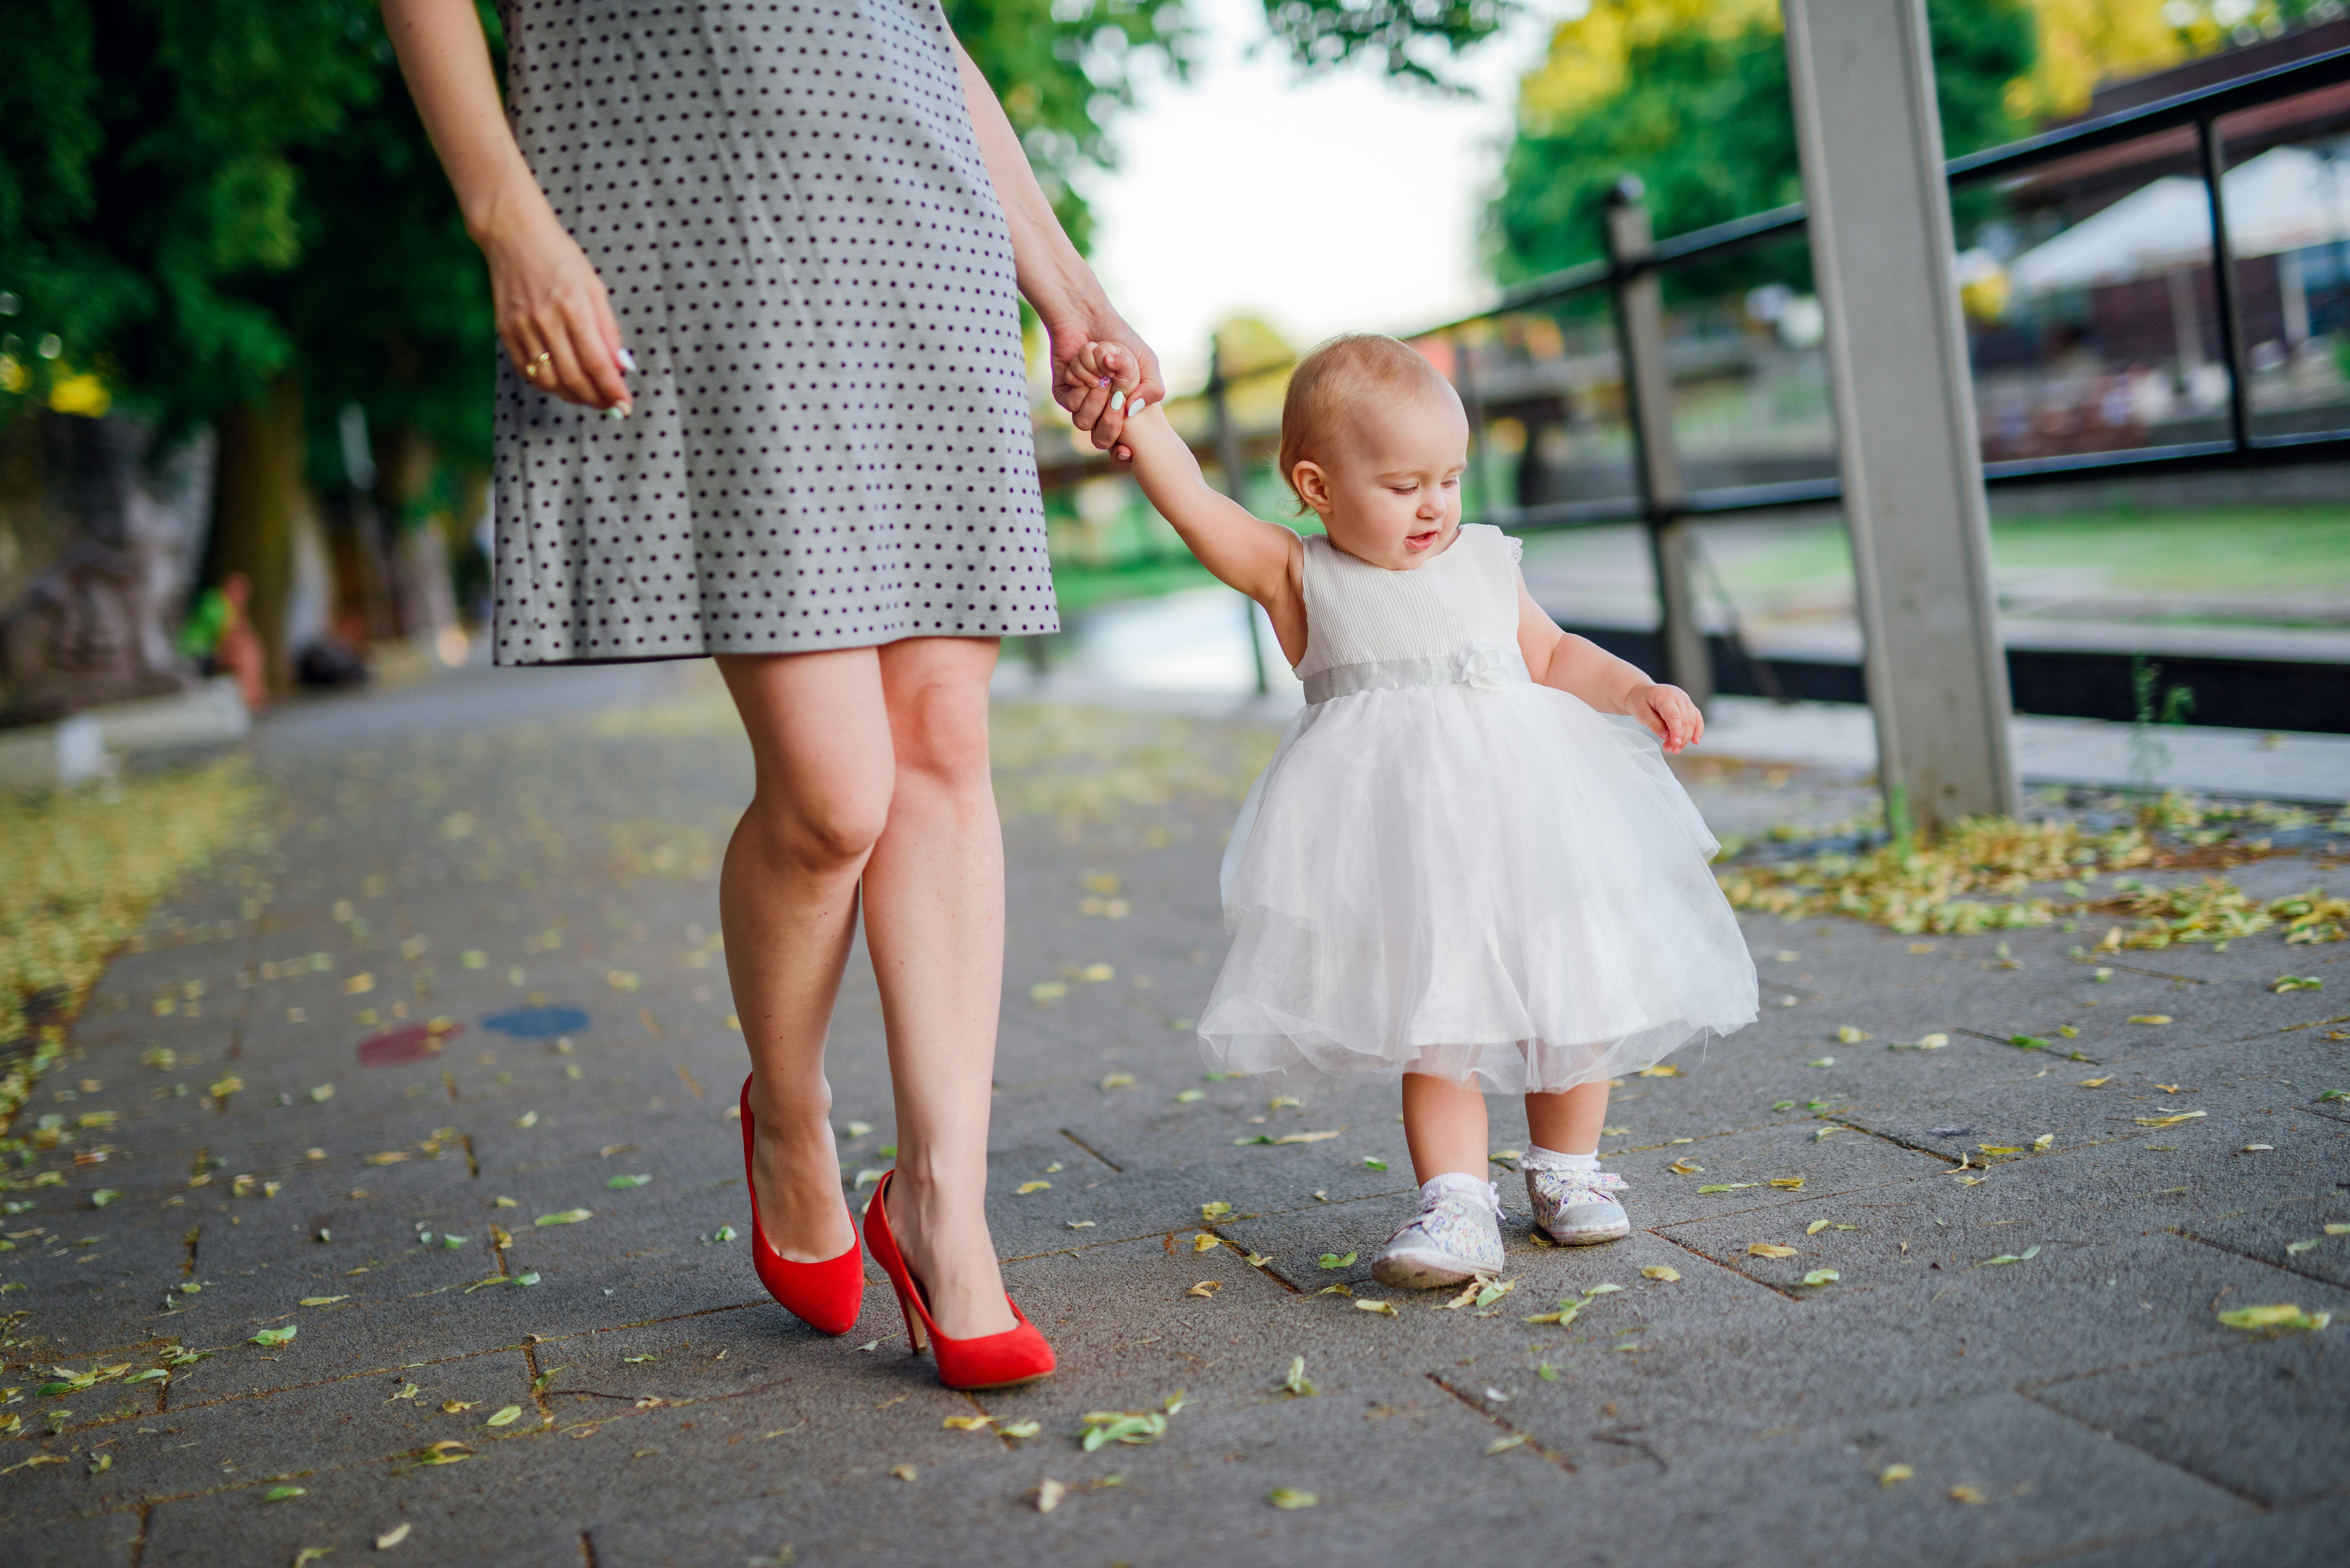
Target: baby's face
[1390,494]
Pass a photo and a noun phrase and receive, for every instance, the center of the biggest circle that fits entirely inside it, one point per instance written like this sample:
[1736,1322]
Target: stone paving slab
[527,847]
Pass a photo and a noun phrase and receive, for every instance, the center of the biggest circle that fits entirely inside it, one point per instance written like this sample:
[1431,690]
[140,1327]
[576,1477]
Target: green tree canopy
[1692,97]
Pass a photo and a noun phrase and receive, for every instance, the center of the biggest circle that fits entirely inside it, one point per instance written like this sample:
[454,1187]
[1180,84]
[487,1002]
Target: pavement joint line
[2240,1252]
[2179,1465]
[1092,1150]
[1553,1455]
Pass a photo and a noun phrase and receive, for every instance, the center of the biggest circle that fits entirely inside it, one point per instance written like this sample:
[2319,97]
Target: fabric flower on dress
[1485,666]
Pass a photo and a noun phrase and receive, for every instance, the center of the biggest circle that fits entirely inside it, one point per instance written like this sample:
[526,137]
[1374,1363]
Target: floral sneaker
[1456,1237]
[1578,1208]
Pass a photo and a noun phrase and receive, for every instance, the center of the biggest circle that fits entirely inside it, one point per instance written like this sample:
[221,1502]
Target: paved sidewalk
[293,1149]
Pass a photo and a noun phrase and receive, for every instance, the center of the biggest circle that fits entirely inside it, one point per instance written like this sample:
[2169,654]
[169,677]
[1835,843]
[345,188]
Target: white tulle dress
[1447,868]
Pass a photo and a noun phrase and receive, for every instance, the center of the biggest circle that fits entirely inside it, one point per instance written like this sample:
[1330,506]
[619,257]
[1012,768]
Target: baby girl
[1467,867]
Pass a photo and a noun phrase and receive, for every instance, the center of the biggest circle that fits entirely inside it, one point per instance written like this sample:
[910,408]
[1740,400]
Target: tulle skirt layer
[1502,886]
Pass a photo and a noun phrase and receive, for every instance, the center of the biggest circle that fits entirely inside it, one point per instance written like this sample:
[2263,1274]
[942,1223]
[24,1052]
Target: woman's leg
[934,921]
[787,900]
[1444,1124]
[1568,1121]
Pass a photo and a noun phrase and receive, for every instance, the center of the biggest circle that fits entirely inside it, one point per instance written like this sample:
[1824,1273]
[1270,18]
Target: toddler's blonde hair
[1334,375]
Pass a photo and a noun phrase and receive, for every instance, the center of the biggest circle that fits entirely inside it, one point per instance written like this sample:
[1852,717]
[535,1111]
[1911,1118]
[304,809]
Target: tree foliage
[1692,96]
[146,175]
[1407,38]
[200,196]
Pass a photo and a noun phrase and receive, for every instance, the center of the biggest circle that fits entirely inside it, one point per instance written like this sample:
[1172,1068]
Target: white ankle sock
[1469,1186]
[1540,1159]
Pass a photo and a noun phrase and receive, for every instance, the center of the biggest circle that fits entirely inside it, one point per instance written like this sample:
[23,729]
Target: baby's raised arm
[1244,550]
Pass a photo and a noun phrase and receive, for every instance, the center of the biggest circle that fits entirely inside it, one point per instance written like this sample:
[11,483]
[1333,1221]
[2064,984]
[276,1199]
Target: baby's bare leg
[1568,1121]
[1444,1123]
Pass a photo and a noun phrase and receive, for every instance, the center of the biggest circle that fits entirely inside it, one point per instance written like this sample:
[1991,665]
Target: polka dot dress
[831,444]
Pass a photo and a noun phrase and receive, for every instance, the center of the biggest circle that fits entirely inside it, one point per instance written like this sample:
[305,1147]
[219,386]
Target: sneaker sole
[1589,1237]
[1426,1270]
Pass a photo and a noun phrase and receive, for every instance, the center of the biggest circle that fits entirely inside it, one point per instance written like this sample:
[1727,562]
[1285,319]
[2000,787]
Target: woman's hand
[1088,398]
[1667,711]
[554,315]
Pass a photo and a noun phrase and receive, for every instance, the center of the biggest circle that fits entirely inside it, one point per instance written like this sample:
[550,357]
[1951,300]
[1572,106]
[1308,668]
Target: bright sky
[1321,205]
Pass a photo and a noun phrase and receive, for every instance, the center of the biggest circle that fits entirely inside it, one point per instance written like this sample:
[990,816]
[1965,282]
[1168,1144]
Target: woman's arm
[1068,297]
[549,300]
[1580,668]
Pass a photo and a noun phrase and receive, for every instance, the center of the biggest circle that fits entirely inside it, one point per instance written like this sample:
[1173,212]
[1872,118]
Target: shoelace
[1432,1206]
[1598,1183]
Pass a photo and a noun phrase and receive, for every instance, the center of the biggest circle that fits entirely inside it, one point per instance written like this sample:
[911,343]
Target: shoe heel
[914,1335]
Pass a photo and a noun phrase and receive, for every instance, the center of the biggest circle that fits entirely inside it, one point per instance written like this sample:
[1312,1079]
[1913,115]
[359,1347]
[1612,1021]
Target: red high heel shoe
[973,1365]
[826,1295]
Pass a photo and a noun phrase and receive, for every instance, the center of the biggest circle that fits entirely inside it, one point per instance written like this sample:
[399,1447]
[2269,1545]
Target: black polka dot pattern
[831,444]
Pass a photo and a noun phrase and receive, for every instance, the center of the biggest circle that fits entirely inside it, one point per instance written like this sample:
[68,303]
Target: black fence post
[1228,459]
[1656,459]
[2214,153]
[1465,381]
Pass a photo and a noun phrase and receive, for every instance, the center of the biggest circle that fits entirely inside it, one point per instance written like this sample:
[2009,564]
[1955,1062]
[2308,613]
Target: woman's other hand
[554,315]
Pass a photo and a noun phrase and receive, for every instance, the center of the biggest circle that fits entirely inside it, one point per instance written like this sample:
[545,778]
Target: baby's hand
[1106,367]
[1668,710]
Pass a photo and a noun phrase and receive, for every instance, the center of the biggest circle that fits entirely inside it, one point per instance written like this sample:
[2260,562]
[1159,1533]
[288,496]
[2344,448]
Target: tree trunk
[261,501]
[95,625]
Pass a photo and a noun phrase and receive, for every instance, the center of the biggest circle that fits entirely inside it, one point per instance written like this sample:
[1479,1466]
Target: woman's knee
[833,830]
[938,728]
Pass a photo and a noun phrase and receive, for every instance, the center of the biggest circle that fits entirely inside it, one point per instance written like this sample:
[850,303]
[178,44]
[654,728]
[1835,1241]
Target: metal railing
[1630,275]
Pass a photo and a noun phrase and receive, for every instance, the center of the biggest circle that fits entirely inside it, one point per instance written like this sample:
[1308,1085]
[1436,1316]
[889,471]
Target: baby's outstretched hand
[1668,710]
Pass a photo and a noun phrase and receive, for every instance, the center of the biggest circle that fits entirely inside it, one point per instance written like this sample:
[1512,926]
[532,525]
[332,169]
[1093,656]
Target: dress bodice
[1359,613]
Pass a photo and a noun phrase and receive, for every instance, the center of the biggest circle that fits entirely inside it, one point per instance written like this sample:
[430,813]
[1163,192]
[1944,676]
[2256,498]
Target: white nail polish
[627,361]
[1116,400]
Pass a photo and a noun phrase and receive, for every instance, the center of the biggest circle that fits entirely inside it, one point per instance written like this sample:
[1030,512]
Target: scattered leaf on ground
[2025,1256]
[568,1217]
[505,1417]
[2282,1315]
[1664,1271]
[1893,1475]
[1049,1494]
[1770,1249]
[1385,1309]
[392,1537]
[1290,1497]
[1503,1445]
[1337,1261]
[1028,1187]
[275,1335]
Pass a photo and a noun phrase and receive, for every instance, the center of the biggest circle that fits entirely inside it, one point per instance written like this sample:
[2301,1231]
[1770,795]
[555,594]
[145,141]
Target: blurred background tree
[1692,96]
[226,214]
